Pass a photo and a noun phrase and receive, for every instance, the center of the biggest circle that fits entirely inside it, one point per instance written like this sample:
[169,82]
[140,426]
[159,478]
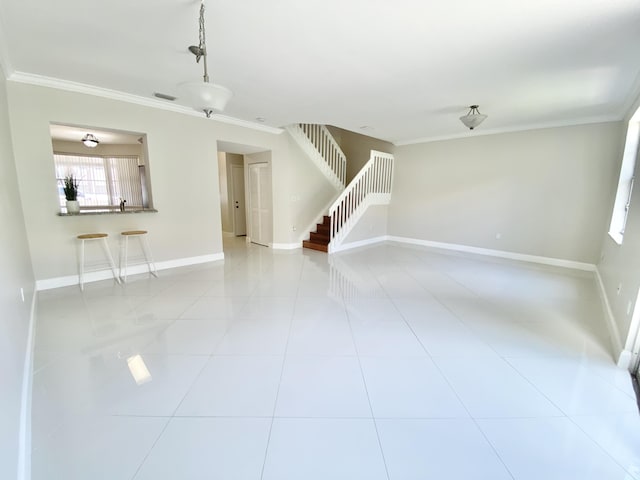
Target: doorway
[234,172]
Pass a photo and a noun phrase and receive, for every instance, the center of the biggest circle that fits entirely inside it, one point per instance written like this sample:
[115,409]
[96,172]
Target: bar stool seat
[141,235]
[86,237]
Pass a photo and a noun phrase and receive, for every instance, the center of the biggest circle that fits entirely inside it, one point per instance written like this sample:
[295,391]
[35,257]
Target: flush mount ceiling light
[205,96]
[473,118]
[90,140]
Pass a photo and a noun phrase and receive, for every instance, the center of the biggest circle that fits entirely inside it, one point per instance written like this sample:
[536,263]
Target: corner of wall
[612,327]
[24,438]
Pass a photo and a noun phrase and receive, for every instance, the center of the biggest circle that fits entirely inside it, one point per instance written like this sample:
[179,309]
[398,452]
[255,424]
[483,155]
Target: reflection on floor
[388,362]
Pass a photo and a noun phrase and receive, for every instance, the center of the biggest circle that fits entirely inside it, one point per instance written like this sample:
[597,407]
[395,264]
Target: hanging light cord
[201,50]
[203,42]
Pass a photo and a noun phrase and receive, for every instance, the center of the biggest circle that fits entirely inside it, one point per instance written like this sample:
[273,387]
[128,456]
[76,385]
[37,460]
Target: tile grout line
[284,357]
[567,415]
[173,415]
[366,389]
[444,377]
[144,459]
[601,448]
[475,422]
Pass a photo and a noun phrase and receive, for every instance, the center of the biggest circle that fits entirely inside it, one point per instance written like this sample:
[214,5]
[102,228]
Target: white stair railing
[372,186]
[319,144]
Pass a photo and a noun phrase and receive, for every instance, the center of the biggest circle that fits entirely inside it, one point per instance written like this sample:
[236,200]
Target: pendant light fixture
[90,140]
[205,96]
[473,118]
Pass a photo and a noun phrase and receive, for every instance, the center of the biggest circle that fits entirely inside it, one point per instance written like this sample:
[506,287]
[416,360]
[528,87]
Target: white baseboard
[57,282]
[359,243]
[286,246]
[556,262]
[625,359]
[612,326]
[24,438]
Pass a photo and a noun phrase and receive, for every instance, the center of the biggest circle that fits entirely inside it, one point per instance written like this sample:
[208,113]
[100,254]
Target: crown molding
[244,123]
[69,86]
[519,128]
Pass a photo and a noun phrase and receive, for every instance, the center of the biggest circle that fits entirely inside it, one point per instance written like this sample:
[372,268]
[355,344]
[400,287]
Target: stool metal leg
[81,264]
[81,254]
[146,250]
[125,247]
[112,264]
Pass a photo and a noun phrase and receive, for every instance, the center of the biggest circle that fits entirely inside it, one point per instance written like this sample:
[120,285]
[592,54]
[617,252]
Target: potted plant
[71,193]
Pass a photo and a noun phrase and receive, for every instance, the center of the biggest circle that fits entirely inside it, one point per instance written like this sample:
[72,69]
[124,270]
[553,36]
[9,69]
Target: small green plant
[70,187]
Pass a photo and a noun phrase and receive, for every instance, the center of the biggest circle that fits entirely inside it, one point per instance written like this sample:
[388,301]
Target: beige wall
[357,148]
[546,192]
[620,264]
[182,162]
[184,176]
[373,224]
[310,194]
[15,272]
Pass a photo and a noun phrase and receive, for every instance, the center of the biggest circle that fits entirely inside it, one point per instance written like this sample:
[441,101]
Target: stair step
[319,238]
[315,246]
[323,229]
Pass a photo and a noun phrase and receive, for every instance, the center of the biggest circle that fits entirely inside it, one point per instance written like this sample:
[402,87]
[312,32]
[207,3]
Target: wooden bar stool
[146,251]
[102,237]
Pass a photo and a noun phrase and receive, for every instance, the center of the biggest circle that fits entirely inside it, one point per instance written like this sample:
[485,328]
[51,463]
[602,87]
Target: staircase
[319,240]
[319,144]
[372,185]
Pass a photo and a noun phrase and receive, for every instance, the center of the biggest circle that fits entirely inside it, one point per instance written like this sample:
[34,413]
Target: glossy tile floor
[388,362]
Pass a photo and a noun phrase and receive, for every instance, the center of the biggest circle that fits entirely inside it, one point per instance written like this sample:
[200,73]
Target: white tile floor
[384,363]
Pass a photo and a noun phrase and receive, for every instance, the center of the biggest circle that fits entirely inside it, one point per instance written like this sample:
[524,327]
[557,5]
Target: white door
[259,203]
[237,200]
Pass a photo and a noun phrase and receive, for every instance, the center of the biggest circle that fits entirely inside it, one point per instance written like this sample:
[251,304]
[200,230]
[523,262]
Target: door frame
[237,169]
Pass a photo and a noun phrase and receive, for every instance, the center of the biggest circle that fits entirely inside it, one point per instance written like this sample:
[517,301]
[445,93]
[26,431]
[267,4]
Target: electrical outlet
[294,228]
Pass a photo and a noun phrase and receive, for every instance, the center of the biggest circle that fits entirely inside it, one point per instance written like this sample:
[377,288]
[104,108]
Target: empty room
[319,240]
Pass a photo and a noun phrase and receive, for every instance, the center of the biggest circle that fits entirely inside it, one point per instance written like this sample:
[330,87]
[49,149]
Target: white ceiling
[407,69]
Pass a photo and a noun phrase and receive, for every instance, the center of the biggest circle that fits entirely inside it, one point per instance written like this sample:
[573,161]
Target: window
[103,180]
[625,183]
